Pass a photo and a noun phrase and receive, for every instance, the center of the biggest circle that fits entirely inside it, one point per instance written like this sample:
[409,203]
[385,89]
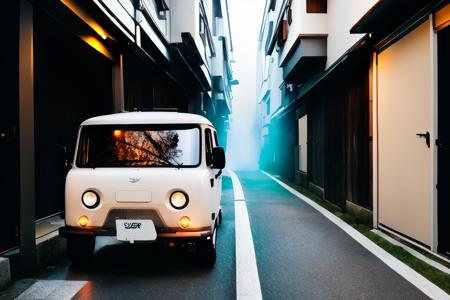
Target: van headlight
[179,200]
[90,199]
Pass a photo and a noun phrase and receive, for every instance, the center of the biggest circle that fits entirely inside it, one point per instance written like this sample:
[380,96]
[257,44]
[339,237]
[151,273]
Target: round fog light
[179,200]
[90,199]
[83,221]
[185,222]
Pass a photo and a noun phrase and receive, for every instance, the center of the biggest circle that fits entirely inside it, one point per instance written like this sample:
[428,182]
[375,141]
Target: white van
[145,176]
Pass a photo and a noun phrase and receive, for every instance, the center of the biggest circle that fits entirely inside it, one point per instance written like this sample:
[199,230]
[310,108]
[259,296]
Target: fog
[243,136]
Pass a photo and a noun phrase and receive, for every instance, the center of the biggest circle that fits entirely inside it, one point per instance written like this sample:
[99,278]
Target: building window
[162,8]
[202,30]
[205,33]
[282,34]
[272,4]
[316,6]
[269,36]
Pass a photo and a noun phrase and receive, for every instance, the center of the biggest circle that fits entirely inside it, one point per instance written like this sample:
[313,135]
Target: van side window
[208,146]
[216,140]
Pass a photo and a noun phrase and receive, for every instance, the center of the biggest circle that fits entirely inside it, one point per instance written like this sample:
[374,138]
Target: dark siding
[347,154]
[286,146]
[316,120]
[9,119]
[334,160]
[444,140]
[357,119]
[73,82]
[338,136]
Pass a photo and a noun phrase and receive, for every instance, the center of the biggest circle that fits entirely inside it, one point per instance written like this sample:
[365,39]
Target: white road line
[247,278]
[237,187]
[52,290]
[398,266]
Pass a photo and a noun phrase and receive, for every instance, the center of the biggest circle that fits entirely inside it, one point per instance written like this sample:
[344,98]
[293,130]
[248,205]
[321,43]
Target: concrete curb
[49,249]
[5,272]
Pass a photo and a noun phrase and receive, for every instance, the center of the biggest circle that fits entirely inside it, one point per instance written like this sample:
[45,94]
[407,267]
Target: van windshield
[139,146]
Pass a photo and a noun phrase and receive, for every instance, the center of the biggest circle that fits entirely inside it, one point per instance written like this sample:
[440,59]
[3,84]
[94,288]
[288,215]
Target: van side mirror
[218,158]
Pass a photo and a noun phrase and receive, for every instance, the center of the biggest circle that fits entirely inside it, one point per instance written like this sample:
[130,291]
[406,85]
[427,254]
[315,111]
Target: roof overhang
[193,77]
[191,62]
[387,15]
[193,55]
[307,57]
[356,52]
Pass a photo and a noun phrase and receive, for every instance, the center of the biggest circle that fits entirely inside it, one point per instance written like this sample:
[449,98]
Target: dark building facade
[68,60]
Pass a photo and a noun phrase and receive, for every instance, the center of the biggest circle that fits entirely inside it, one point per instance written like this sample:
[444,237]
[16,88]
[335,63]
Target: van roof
[147,118]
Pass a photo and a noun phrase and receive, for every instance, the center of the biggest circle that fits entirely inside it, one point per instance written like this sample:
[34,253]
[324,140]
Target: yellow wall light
[83,15]
[97,45]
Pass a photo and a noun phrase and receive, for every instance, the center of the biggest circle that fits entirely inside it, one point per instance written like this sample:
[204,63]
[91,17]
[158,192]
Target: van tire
[207,251]
[81,249]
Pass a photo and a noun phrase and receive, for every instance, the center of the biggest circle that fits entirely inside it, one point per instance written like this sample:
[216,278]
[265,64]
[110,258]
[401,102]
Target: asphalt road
[302,255]
[299,254]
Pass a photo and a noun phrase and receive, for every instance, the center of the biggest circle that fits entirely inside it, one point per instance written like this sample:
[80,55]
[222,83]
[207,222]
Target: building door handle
[426,136]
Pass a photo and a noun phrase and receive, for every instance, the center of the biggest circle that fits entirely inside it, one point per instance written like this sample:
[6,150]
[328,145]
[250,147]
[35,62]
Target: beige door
[303,144]
[405,102]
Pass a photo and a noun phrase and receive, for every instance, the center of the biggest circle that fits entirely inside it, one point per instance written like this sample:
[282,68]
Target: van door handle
[426,136]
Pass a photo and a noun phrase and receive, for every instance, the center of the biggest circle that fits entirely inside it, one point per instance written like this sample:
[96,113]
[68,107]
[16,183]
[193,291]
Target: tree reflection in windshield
[144,148]
[139,146]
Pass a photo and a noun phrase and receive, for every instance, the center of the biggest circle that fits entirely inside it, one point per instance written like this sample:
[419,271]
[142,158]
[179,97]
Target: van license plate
[135,230]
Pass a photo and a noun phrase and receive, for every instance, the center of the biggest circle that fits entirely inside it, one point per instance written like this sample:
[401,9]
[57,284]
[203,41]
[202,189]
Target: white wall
[184,18]
[342,15]
[275,81]
[303,23]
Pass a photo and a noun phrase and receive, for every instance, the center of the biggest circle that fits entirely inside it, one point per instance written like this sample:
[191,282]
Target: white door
[405,161]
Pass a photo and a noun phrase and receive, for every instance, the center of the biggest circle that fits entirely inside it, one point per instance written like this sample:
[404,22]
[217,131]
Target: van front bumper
[162,233]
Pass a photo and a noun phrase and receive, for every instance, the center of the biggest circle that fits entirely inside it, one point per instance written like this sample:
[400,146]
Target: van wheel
[207,251]
[219,218]
[81,249]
